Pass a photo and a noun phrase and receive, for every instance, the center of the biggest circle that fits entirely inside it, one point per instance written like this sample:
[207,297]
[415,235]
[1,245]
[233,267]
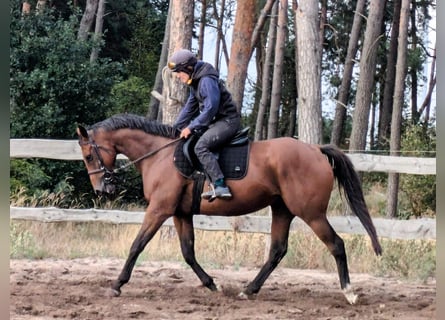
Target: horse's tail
[349,181]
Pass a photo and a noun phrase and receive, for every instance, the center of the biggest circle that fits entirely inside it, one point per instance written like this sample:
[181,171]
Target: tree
[308,72]
[345,86]
[388,93]
[280,43]
[366,79]
[396,121]
[52,84]
[240,52]
[98,29]
[266,78]
[87,19]
[426,104]
[53,87]
[181,22]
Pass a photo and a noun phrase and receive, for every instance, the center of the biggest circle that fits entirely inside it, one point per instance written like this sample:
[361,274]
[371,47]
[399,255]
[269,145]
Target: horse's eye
[89,158]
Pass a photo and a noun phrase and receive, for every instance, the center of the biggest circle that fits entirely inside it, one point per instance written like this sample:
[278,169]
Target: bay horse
[292,177]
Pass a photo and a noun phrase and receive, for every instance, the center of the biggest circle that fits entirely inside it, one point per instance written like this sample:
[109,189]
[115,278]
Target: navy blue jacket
[208,101]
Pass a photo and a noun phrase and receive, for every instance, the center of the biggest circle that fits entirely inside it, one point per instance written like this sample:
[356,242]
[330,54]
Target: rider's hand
[185,133]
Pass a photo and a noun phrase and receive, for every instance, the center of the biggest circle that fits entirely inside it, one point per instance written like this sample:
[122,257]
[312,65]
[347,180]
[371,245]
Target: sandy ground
[77,289]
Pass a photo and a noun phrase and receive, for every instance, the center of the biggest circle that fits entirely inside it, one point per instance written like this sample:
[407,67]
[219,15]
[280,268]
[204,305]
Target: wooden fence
[390,228]
[69,150]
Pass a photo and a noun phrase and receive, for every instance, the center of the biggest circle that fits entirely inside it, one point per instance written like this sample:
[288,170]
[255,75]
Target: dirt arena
[77,289]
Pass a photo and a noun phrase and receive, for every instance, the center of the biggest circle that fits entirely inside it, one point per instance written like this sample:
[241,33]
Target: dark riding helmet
[182,60]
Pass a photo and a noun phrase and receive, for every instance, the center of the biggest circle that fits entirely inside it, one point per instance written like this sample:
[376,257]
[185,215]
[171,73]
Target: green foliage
[132,96]
[134,25]
[53,85]
[28,174]
[148,27]
[419,189]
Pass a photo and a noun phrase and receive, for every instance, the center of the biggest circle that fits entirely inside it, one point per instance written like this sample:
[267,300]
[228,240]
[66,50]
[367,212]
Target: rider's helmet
[182,60]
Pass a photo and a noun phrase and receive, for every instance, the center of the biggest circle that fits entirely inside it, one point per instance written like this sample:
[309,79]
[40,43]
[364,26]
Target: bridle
[109,174]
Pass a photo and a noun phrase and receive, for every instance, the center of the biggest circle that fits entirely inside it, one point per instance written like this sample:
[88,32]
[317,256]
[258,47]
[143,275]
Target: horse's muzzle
[107,190]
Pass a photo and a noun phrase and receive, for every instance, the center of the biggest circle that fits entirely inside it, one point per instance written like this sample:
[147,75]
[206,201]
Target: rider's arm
[187,113]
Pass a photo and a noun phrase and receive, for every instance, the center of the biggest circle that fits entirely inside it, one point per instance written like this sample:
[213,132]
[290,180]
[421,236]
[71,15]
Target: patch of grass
[22,244]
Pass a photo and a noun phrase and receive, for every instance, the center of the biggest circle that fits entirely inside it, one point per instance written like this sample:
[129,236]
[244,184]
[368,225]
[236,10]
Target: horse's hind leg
[336,246]
[281,220]
[184,227]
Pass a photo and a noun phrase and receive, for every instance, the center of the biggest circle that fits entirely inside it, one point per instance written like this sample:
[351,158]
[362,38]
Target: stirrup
[209,195]
[218,192]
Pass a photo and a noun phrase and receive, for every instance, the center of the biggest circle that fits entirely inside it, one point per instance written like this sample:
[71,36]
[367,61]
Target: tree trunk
[366,81]
[323,19]
[431,85]
[308,72]
[388,94]
[261,21]
[396,121]
[219,17]
[241,50]
[266,79]
[87,19]
[181,28]
[414,112]
[26,7]
[41,4]
[154,111]
[98,30]
[275,102]
[202,27]
[345,87]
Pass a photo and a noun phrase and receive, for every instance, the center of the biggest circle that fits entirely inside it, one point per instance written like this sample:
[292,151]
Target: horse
[294,178]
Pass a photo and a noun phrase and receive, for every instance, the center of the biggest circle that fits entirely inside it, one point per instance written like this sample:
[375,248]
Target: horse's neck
[134,144]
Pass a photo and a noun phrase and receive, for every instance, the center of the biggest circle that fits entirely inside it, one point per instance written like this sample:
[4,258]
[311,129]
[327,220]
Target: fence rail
[69,150]
[389,228]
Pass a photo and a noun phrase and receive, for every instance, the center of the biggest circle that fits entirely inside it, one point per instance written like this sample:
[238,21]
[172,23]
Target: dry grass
[67,240]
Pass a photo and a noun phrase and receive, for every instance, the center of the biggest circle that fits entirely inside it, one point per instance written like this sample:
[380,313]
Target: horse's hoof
[219,288]
[350,295]
[113,293]
[245,296]
[212,287]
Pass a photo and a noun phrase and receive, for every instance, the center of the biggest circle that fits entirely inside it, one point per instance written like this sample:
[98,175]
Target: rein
[109,173]
[146,155]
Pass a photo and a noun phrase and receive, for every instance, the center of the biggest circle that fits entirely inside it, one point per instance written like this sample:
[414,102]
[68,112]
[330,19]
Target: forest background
[371,63]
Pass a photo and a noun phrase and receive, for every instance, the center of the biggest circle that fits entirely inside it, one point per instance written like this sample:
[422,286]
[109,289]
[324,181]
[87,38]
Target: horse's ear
[82,133]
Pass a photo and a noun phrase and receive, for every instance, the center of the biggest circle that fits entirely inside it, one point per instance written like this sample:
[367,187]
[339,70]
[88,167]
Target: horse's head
[99,157]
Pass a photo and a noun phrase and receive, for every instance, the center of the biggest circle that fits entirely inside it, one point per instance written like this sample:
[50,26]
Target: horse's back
[290,155]
[296,170]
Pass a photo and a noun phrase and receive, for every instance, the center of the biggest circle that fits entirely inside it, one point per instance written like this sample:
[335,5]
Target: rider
[209,112]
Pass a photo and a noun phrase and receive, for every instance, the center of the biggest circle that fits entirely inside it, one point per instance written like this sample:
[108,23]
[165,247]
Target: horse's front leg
[153,220]
[184,227]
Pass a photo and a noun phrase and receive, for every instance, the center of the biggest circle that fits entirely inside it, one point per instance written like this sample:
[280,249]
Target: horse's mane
[133,121]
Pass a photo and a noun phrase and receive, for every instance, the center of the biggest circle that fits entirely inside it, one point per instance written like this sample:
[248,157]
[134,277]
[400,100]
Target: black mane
[132,121]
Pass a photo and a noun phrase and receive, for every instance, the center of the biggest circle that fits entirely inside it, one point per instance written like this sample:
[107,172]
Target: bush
[130,96]
[420,189]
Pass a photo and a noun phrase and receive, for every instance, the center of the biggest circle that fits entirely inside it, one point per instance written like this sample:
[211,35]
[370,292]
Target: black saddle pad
[233,161]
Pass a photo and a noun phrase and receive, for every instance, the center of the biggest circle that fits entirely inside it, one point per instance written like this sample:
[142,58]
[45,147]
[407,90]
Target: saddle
[232,157]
